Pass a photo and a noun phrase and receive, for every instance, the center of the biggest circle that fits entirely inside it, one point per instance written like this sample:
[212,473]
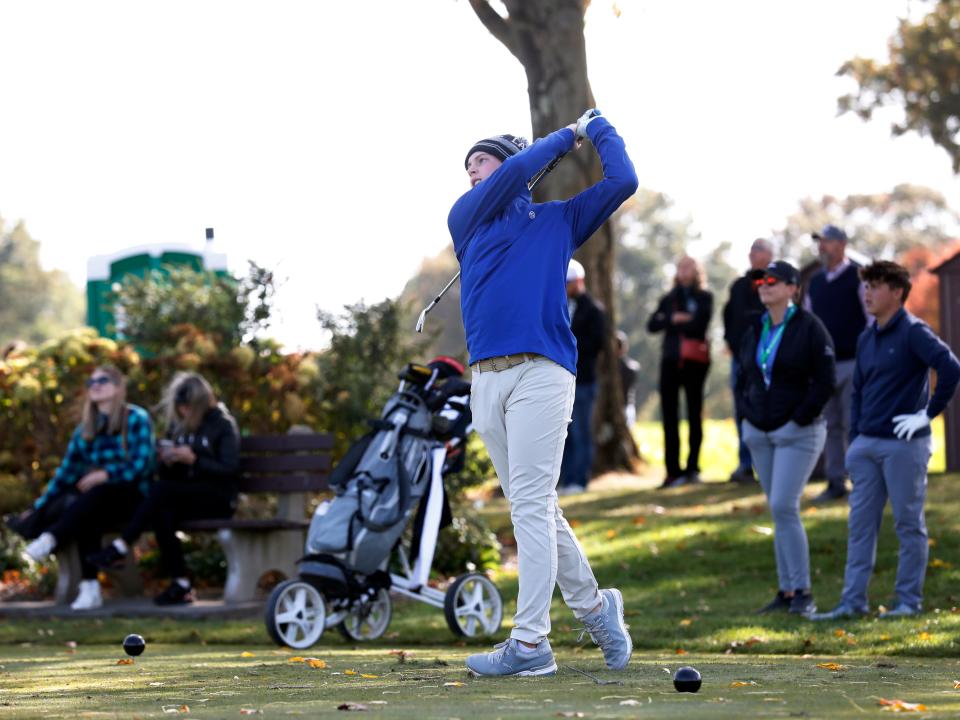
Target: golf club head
[421,320]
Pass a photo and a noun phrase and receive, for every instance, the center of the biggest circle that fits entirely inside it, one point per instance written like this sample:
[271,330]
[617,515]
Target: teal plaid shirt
[106,451]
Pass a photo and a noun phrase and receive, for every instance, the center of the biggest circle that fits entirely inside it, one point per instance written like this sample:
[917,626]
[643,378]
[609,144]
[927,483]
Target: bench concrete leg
[126,580]
[251,554]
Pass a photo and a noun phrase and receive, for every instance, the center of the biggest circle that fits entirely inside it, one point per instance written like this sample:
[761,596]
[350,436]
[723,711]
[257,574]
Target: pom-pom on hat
[499,146]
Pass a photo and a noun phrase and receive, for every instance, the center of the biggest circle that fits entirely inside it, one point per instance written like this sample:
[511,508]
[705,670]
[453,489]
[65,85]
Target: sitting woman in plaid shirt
[109,464]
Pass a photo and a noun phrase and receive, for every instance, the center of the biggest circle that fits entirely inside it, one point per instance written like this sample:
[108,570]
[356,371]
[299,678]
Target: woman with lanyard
[787,372]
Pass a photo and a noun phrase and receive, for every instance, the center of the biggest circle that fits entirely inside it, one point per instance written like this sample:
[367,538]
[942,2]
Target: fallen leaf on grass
[350,672]
[924,635]
[762,530]
[742,683]
[454,684]
[176,709]
[686,622]
[247,653]
[901,706]
[156,684]
[574,523]
[680,651]
[250,711]
[831,666]
[640,520]
[352,707]
[611,534]
[368,676]
[316,663]
[402,655]
[956,684]
[631,701]
[296,659]
[839,632]
[938,563]
[884,637]
[125,661]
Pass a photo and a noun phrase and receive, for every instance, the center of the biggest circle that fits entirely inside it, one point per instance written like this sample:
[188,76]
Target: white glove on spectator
[907,425]
[584,121]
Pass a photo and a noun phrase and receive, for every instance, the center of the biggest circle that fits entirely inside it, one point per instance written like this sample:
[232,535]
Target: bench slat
[282,483]
[286,443]
[284,463]
[255,525]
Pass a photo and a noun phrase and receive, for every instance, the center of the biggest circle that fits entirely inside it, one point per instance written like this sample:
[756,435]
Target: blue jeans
[881,469]
[746,462]
[578,447]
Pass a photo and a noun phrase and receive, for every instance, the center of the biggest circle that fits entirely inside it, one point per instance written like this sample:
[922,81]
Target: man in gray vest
[835,295]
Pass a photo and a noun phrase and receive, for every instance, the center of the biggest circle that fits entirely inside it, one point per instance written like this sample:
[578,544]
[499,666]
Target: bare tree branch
[497,26]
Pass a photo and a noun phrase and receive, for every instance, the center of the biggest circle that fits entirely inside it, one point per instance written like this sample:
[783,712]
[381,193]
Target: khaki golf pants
[522,416]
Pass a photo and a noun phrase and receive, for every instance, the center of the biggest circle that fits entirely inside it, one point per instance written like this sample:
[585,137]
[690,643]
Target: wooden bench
[289,466]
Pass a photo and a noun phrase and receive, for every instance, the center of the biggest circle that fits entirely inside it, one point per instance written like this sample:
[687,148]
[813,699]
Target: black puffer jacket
[216,443]
[804,373]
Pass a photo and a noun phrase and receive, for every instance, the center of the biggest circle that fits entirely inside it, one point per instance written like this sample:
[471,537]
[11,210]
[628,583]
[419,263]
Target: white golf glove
[584,121]
[907,425]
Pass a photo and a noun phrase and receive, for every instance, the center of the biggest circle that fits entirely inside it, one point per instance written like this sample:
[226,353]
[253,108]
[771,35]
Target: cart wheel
[369,620]
[473,606]
[295,614]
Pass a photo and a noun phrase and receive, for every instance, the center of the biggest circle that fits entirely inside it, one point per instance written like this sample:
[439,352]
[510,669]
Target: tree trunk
[546,36]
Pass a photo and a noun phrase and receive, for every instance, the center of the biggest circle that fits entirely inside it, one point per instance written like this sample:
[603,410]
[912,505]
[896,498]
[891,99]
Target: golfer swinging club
[513,257]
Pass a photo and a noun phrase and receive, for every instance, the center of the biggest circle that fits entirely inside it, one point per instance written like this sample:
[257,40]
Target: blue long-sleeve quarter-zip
[514,253]
[892,375]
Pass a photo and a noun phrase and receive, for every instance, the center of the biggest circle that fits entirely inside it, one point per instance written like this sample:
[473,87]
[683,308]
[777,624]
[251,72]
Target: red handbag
[694,350]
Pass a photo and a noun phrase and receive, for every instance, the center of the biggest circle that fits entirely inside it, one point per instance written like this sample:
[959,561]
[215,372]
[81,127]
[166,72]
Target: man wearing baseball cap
[835,295]
[588,323]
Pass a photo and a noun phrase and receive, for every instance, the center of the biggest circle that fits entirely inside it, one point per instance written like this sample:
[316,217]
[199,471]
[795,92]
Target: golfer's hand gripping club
[583,121]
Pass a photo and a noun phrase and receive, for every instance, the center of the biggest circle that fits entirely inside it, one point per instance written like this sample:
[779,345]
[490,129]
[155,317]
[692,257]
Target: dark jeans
[746,462]
[105,507]
[691,377]
[169,504]
[578,447]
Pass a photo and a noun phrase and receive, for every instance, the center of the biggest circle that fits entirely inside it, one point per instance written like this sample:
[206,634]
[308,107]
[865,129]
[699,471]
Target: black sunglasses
[99,380]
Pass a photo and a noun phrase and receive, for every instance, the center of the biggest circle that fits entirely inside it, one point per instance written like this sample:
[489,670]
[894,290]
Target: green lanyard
[768,345]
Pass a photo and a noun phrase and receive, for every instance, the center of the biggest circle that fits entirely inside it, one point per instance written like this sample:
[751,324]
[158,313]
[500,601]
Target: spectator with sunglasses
[199,461]
[786,375]
[105,474]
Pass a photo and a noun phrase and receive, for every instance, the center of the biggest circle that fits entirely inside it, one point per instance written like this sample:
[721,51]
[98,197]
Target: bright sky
[325,140]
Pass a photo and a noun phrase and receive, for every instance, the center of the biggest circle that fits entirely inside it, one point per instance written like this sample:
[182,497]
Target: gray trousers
[784,459]
[837,415]
[522,415]
[882,468]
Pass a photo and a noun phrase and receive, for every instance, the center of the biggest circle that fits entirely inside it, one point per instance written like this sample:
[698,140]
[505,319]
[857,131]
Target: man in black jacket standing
[742,308]
[588,323]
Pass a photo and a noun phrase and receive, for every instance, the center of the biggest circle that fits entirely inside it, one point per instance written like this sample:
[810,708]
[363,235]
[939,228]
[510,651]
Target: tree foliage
[880,225]
[35,304]
[229,310]
[922,77]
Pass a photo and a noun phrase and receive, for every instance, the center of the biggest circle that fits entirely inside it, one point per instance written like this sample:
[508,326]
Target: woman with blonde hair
[109,465]
[199,460]
[683,315]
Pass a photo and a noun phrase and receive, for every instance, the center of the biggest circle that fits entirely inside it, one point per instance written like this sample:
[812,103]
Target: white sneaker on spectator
[41,548]
[89,597]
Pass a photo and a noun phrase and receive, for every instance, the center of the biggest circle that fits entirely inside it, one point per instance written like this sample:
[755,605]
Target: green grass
[693,564]
[218,683]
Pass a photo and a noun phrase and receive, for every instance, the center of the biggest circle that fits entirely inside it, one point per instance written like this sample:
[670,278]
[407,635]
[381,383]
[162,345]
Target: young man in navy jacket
[889,450]
[513,257]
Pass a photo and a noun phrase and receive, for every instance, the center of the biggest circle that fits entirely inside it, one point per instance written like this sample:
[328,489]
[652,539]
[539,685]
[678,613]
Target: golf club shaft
[530,186]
